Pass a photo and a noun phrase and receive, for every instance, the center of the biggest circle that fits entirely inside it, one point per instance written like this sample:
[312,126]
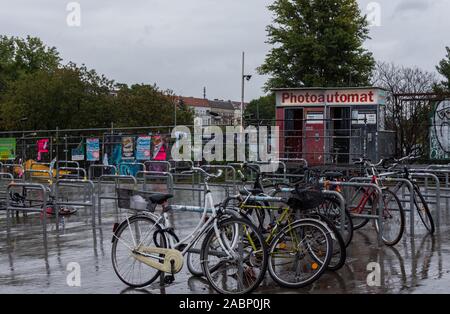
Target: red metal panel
[314,143]
[280,124]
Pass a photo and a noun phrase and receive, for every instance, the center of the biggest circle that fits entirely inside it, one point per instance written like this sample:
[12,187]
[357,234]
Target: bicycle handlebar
[202,171]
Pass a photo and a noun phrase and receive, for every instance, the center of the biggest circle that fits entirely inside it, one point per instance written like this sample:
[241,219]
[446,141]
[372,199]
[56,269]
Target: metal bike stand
[163,162]
[117,179]
[89,187]
[402,200]
[126,164]
[66,163]
[77,169]
[29,186]
[103,167]
[225,168]
[438,192]
[5,177]
[156,175]
[379,192]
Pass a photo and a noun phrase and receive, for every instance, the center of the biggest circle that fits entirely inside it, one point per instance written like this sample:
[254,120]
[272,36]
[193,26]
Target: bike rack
[150,162]
[379,192]
[8,177]
[88,187]
[402,200]
[225,168]
[66,163]
[157,175]
[438,193]
[103,167]
[125,164]
[29,186]
[117,180]
[70,169]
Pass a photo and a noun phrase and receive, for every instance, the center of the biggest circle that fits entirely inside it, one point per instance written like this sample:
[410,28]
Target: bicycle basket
[307,198]
[124,197]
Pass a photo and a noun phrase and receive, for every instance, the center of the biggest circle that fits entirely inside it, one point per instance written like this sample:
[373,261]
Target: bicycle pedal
[181,247]
[168,279]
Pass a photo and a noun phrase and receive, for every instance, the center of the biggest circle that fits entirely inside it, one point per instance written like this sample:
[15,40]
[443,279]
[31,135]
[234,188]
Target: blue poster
[92,149]
[143,148]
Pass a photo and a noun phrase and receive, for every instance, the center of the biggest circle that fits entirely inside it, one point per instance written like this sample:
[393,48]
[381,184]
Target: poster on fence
[7,148]
[92,149]
[78,153]
[42,147]
[143,148]
[127,147]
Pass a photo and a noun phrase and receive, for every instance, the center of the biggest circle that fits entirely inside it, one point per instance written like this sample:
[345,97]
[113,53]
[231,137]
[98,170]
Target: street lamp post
[244,77]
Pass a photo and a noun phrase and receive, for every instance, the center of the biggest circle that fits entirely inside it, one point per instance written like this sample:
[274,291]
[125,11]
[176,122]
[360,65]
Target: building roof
[221,104]
[195,102]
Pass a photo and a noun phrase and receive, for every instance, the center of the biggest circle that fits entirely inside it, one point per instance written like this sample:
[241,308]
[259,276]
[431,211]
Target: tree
[146,105]
[261,110]
[23,56]
[317,43]
[66,97]
[409,119]
[444,69]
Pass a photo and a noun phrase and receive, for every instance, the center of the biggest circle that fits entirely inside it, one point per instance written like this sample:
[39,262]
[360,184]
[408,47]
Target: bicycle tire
[423,208]
[339,256]
[347,235]
[115,241]
[319,269]
[398,236]
[259,259]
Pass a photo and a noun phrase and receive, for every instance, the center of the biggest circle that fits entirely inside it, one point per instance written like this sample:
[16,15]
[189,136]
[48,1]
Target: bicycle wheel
[193,259]
[424,211]
[356,201]
[339,255]
[127,238]
[300,253]
[235,262]
[331,208]
[393,218]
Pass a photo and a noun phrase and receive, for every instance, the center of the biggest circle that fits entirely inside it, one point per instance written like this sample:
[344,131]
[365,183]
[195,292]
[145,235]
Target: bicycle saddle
[159,198]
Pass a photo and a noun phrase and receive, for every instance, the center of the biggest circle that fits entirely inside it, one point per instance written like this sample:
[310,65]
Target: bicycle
[420,203]
[233,253]
[393,216]
[305,238]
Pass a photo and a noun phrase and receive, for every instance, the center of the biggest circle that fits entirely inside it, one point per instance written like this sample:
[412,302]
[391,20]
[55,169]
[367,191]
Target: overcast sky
[185,45]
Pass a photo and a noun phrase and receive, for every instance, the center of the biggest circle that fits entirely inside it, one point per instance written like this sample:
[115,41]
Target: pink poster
[42,147]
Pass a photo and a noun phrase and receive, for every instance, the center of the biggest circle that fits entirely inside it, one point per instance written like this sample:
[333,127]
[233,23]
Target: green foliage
[263,107]
[33,84]
[317,43]
[23,56]
[146,105]
[444,69]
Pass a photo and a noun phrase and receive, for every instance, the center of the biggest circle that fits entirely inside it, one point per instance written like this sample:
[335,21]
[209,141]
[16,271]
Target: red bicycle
[365,201]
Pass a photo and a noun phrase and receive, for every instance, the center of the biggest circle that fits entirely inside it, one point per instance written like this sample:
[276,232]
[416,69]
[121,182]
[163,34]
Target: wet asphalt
[34,261]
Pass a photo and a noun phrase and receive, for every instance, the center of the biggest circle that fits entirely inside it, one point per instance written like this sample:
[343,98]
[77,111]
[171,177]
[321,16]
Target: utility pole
[243,90]
[244,77]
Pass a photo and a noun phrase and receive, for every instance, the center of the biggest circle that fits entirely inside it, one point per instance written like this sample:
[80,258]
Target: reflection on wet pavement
[34,262]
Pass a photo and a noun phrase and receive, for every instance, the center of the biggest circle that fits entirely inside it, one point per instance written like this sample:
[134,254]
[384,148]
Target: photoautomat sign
[370,96]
